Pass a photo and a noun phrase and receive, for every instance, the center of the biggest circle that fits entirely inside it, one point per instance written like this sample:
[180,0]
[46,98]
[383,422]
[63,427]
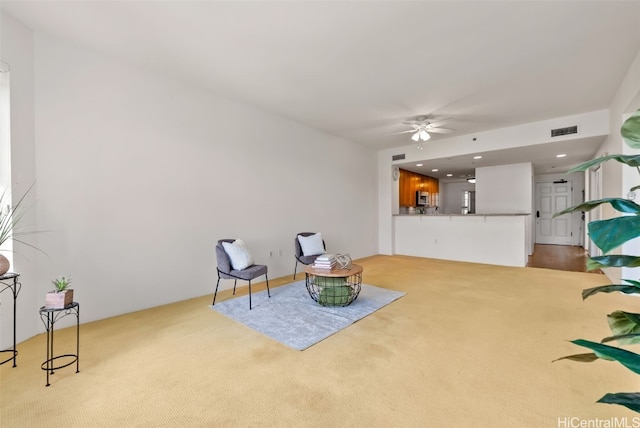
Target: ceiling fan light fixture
[421,126]
[421,135]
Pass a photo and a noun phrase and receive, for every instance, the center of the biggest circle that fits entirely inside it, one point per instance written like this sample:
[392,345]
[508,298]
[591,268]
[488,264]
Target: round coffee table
[334,287]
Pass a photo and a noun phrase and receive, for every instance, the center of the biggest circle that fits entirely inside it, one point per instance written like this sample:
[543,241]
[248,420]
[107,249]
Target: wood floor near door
[560,257]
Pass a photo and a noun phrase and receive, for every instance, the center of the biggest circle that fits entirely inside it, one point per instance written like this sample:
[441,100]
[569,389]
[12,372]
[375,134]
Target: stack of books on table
[325,261]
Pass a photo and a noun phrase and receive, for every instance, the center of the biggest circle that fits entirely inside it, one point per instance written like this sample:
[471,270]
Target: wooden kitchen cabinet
[411,182]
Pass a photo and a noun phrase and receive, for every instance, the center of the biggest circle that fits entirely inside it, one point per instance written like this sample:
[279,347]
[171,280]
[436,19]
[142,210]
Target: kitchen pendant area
[418,193]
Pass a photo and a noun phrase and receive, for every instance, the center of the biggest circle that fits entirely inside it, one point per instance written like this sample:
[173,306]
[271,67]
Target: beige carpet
[469,346]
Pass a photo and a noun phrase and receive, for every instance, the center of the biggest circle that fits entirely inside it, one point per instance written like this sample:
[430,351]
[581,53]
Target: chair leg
[215,292]
[249,294]
[235,281]
[295,269]
[267,278]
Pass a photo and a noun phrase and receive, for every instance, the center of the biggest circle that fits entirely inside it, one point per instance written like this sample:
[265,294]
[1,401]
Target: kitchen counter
[499,239]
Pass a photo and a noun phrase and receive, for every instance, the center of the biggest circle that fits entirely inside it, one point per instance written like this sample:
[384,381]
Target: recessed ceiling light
[434,170]
[477,157]
[561,155]
[449,175]
[419,164]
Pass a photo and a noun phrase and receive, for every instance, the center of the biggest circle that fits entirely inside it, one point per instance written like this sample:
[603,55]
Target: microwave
[422,199]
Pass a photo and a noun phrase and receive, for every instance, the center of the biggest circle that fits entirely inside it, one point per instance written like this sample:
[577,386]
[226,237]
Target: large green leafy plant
[608,235]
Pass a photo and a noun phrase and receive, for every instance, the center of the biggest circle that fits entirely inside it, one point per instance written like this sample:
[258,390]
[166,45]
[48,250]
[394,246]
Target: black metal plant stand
[49,317]
[9,281]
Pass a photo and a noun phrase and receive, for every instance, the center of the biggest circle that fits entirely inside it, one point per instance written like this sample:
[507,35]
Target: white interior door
[550,199]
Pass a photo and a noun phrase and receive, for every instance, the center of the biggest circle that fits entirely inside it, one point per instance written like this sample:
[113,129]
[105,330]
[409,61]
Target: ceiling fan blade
[436,120]
[404,132]
[440,130]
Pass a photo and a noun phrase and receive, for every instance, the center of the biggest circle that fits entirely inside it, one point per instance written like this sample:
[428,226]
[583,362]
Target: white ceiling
[357,69]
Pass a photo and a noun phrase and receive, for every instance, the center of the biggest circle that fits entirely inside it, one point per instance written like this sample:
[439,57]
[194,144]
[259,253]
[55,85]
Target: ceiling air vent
[564,131]
[397,157]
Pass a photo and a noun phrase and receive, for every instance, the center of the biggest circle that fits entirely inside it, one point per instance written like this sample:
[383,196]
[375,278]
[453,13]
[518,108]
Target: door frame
[577,196]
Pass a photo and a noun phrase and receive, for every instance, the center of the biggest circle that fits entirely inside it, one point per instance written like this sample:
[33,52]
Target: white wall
[387,205]
[139,175]
[16,48]
[627,100]
[617,178]
[451,196]
[504,189]
[508,189]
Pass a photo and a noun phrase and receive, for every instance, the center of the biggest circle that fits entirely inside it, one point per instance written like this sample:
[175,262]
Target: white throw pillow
[239,254]
[311,245]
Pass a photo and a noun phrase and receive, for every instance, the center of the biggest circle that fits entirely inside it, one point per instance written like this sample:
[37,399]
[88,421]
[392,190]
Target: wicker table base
[334,287]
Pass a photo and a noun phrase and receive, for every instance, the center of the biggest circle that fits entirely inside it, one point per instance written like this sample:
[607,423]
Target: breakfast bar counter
[499,239]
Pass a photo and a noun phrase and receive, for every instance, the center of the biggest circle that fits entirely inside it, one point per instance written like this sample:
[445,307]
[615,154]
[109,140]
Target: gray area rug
[291,317]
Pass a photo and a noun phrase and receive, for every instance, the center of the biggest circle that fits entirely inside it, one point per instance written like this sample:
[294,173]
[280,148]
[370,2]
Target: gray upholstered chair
[299,255]
[226,271]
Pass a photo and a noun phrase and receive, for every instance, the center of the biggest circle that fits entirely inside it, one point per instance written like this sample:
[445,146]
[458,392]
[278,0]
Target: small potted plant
[60,297]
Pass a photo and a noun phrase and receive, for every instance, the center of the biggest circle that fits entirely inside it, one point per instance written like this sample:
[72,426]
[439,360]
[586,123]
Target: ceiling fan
[421,126]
